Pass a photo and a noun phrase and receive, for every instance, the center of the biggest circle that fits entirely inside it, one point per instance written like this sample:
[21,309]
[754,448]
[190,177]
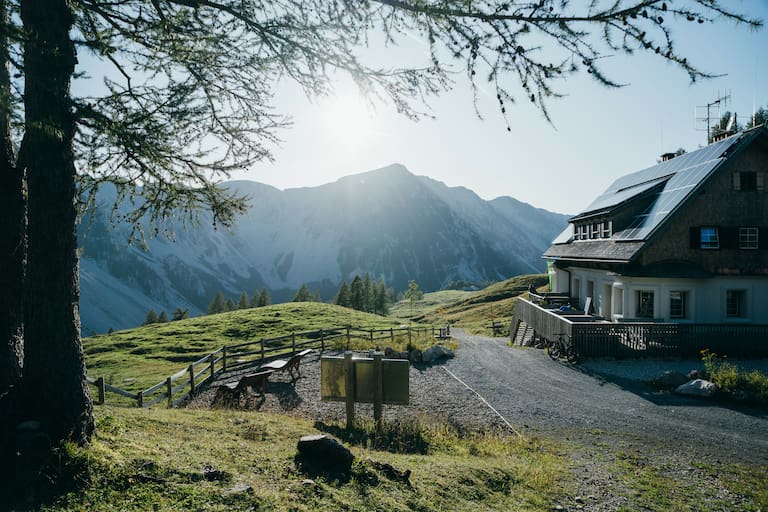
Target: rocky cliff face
[387,222]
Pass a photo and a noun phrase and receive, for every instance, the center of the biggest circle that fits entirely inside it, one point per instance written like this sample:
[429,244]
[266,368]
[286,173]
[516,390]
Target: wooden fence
[643,339]
[187,381]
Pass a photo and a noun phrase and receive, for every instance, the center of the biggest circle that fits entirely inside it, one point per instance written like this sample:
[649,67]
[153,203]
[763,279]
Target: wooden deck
[595,337]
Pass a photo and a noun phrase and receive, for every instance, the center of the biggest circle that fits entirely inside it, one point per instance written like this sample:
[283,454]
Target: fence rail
[184,383]
[643,339]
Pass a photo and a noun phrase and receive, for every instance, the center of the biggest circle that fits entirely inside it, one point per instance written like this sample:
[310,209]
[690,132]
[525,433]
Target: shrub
[730,379]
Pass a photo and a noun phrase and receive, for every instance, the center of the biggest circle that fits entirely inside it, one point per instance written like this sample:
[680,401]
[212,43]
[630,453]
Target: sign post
[372,380]
[349,384]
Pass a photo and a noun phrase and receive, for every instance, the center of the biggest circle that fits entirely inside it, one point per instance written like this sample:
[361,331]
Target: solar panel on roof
[689,170]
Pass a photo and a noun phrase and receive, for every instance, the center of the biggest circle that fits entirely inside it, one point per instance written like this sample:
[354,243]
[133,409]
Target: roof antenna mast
[704,114]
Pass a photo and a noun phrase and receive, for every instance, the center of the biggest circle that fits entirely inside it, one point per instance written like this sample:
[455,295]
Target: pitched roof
[667,185]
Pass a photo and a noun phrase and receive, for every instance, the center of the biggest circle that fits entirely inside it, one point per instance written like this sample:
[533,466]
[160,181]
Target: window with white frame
[748,237]
[735,303]
[644,304]
[677,304]
[606,228]
[710,238]
[594,230]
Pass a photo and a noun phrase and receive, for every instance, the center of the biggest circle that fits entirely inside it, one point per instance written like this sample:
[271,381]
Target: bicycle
[560,348]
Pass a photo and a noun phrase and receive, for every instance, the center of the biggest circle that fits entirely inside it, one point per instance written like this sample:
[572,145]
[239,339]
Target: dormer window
[606,230]
[593,230]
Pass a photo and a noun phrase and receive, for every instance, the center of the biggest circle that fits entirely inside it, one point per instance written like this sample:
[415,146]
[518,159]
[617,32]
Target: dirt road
[529,389]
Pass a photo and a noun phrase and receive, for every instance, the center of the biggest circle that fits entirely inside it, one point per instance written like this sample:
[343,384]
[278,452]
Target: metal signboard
[395,386]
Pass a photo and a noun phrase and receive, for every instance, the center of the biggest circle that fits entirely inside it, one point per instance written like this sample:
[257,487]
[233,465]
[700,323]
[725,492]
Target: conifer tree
[357,294]
[229,305]
[381,302]
[217,305]
[162,318]
[264,298]
[243,302]
[303,294]
[342,296]
[151,317]
[368,293]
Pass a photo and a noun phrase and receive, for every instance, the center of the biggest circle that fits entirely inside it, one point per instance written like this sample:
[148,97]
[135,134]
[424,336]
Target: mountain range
[388,222]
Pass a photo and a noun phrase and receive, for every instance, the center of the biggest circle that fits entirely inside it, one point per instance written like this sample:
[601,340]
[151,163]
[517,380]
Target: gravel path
[530,389]
[434,395]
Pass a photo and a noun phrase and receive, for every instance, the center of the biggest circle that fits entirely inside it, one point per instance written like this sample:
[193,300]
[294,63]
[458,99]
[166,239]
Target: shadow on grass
[405,437]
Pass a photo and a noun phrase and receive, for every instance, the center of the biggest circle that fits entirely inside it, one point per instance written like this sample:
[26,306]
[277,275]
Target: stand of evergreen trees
[221,305]
[363,294]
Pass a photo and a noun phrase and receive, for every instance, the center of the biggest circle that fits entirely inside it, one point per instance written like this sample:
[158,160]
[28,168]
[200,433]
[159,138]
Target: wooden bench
[230,392]
[289,365]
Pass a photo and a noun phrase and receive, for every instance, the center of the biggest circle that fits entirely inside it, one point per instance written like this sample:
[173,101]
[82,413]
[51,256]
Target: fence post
[293,343]
[224,358]
[261,344]
[348,340]
[140,399]
[212,359]
[391,336]
[371,336]
[169,390]
[410,343]
[100,386]
[191,371]
[322,341]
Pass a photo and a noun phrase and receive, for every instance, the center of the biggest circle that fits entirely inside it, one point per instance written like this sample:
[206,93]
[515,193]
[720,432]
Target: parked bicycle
[562,349]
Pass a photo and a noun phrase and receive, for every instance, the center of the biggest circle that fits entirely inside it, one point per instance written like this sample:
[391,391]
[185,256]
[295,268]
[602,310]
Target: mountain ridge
[387,221]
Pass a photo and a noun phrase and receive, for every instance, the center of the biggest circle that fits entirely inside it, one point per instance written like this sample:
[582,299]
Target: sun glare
[349,122]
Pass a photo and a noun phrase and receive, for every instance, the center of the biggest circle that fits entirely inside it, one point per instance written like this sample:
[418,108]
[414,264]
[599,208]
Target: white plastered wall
[705,299]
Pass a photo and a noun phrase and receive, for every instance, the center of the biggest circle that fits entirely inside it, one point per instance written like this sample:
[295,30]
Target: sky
[597,134]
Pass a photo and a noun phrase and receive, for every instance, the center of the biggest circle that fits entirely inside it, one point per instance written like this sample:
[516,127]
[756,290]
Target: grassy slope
[472,310]
[135,359]
[142,459]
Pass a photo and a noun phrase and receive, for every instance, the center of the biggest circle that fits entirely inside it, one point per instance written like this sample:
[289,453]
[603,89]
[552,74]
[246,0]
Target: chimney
[668,156]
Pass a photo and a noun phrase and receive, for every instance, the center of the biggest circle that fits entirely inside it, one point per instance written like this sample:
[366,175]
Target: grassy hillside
[431,303]
[472,310]
[135,359]
[161,459]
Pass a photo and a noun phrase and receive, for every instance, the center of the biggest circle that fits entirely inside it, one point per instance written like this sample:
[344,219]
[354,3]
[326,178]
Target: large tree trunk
[54,371]
[12,231]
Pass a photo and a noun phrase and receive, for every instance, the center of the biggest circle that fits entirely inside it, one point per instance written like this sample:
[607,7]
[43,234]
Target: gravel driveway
[529,389]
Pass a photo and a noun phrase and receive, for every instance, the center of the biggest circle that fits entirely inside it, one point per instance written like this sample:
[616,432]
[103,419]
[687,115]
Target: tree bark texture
[12,231]
[54,387]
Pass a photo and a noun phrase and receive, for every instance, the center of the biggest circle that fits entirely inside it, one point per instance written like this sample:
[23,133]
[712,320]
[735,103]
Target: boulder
[238,489]
[324,454]
[697,387]
[415,356]
[670,380]
[436,352]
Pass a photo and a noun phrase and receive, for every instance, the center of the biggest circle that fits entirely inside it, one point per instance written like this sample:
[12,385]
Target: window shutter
[760,182]
[729,237]
[762,238]
[695,238]
[736,181]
